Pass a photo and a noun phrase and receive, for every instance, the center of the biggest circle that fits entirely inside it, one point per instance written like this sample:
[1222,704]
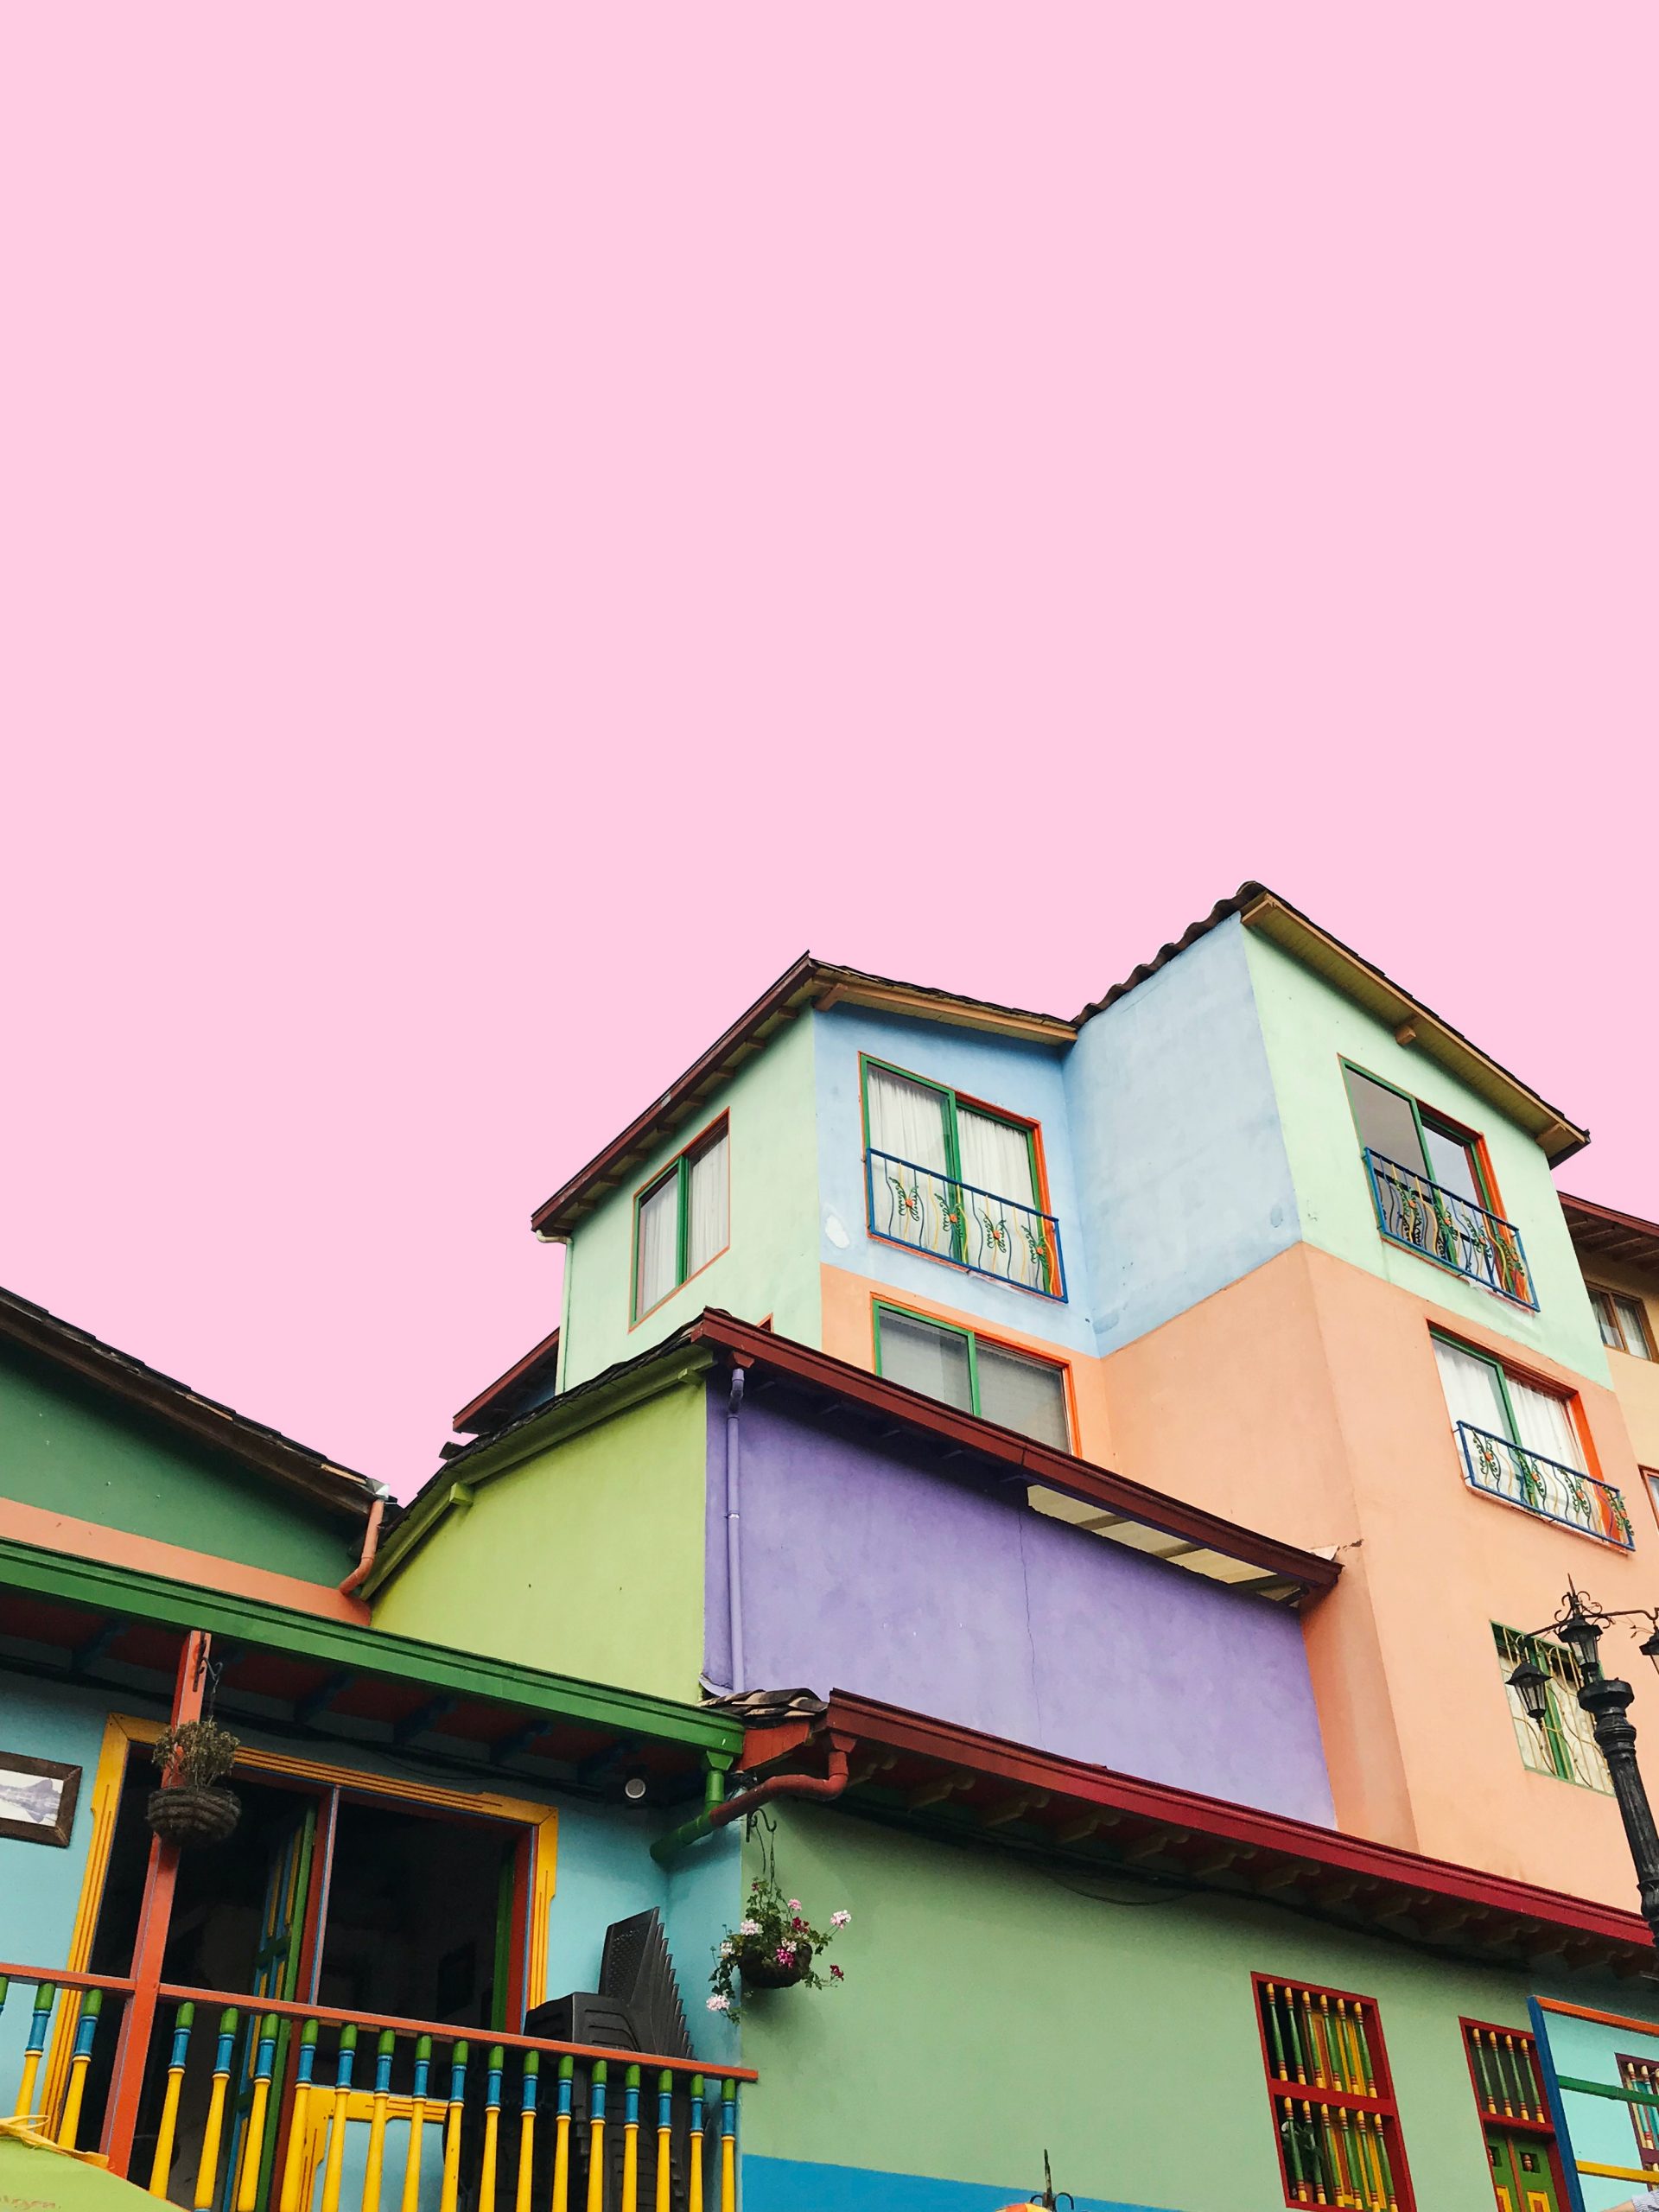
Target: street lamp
[1580,1624]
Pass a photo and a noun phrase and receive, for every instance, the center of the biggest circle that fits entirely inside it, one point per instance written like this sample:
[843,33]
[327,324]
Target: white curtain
[1544,1426]
[926,1358]
[907,1120]
[1029,1394]
[1471,1389]
[656,1263]
[995,1157]
[708,1227]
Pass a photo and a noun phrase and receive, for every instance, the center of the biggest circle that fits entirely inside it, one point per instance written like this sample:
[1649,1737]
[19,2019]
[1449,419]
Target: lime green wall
[989,2009]
[585,1558]
[76,1452]
[772,1265]
[1308,1027]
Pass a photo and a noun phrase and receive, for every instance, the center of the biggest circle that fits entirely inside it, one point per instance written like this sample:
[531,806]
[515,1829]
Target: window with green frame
[1564,1742]
[1414,1136]
[956,1178]
[682,1219]
[975,1374]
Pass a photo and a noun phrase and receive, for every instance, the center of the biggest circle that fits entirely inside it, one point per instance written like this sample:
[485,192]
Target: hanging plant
[190,1807]
[774,1946]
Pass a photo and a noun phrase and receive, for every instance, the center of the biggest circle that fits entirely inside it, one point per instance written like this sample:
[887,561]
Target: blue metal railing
[1543,1486]
[932,1212]
[1428,1219]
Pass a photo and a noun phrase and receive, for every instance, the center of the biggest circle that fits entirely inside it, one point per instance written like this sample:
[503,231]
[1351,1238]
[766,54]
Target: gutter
[821,1787]
[359,1573]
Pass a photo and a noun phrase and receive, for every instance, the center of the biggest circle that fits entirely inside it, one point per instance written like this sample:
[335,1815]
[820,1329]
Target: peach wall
[1305,1399]
[1636,1380]
[848,1327]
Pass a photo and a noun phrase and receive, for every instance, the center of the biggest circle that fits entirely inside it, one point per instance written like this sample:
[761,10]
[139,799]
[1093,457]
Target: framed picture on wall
[37,1798]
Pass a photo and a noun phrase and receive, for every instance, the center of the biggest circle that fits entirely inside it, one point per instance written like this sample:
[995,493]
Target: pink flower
[748,1927]
[836,1974]
[839,1919]
[720,2004]
[794,1904]
[785,1955]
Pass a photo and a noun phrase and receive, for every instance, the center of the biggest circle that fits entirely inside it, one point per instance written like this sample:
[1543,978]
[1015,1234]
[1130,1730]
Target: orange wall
[1636,1380]
[1305,1399]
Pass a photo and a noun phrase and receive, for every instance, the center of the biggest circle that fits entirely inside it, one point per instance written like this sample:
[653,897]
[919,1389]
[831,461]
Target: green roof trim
[338,1644]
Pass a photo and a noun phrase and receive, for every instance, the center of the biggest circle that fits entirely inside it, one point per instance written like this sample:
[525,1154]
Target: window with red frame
[1334,2116]
[1515,2118]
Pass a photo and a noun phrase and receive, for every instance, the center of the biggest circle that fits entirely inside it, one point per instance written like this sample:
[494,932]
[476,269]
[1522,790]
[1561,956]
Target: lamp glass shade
[1531,1685]
[1649,1648]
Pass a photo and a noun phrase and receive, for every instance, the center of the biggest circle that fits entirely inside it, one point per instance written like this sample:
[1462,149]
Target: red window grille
[1334,2116]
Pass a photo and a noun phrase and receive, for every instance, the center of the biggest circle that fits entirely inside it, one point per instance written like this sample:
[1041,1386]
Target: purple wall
[949,1596]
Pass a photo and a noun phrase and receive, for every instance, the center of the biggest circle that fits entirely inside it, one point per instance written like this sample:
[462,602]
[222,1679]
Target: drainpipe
[823,1787]
[733,1548]
[359,1573]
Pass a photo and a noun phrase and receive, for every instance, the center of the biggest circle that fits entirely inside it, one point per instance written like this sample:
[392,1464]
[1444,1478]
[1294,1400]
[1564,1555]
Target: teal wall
[992,2007]
[1308,1027]
[73,1451]
[1025,1081]
[1180,1160]
[772,1264]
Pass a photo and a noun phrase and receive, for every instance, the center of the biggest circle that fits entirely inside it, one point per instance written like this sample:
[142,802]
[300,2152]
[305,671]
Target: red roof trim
[473,1406]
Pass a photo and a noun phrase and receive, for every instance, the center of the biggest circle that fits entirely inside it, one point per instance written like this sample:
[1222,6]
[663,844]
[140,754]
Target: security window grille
[682,1219]
[1642,2074]
[1565,1744]
[964,1369]
[1521,1443]
[1334,2116]
[1504,2066]
[1622,1322]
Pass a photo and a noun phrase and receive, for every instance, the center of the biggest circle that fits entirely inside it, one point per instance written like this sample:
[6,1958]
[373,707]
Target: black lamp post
[1581,1625]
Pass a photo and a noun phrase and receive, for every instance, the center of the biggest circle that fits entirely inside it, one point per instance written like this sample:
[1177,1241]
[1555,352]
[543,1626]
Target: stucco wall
[71,1451]
[585,1559]
[1117,2028]
[864,1572]
[1636,1380]
[1308,1027]
[772,1264]
[1184,1181]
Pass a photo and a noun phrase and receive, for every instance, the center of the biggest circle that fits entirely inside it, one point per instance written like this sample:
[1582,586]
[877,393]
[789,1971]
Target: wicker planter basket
[765,1970]
[188,1815]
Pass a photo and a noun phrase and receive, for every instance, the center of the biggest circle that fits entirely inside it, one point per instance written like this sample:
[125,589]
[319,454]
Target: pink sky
[516,521]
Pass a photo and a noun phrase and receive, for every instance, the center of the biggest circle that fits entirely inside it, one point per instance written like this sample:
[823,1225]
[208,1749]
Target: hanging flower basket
[763,1969]
[189,1808]
[772,1947]
[188,1815]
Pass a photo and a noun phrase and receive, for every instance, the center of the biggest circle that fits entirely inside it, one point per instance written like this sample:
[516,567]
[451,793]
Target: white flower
[720,2004]
[726,1948]
[839,1919]
[748,1927]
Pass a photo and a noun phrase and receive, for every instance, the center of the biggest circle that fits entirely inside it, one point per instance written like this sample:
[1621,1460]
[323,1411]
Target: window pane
[1629,1322]
[656,1261]
[995,1157]
[1605,1320]
[1545,1425]
[1029,1394]
[1451,1164]
[1384,1120]
[1472,1392]
[907,1120]
[924,1358]
[708,1225]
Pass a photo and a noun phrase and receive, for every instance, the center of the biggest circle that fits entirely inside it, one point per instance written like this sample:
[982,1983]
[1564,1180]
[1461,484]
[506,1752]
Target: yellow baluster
[295,2161]
[161,2164]
[412,2196]
[45,1998]
[561,2138]
[596,2136]
[631,2140]
[376,2160]
[336,2158]
[694,2201]
[451,2188]
[492,2124]
[528,2082]
[253,2141]
[207,2164]
[86,2028]
[664,2147]
[729,2149]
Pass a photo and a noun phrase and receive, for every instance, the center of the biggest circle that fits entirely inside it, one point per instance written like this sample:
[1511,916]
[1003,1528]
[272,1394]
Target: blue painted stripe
[788,2185]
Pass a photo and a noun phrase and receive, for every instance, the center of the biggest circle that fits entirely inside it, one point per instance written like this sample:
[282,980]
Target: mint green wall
[989,2009]
[73,1451]
[585,1559]
[1308,1027]
[772,1266]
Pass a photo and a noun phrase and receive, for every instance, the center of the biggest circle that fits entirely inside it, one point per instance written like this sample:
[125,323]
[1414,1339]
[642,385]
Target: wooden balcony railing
[245,2105]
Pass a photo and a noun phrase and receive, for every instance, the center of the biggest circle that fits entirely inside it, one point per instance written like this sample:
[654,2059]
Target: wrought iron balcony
[1428,1219]
[245,2104]
[977,1230]
[1543,1486]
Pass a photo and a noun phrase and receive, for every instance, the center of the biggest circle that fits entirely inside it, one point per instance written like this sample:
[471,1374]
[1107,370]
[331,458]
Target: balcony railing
[1543,1486]
[989,1235]
[1428,1219]
[243,2104]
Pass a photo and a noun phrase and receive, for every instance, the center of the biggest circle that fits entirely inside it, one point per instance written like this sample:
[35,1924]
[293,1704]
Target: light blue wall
[786,2185]
[1026,1081]
[1184,1178]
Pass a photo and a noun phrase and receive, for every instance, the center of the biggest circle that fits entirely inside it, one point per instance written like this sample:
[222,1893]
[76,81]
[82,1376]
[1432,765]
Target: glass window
[1564,1742]
[1473,1386]
[1385,1121]
[1451,1161]
[1633,1327]
[682,1220]
[1607,1320]
[962,1369]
